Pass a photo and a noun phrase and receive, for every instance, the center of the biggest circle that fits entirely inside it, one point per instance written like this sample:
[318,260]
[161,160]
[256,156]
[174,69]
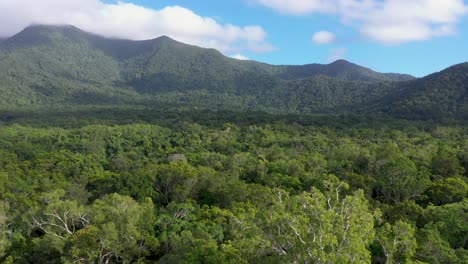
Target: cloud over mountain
[128,20]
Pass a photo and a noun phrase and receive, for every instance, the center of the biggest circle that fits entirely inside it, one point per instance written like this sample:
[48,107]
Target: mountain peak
[342,61]
[340,69]
[463,65]
[43,28]
[165,40]
[457,69]
[345,63]
[40,34]
[164,37]
[46,26]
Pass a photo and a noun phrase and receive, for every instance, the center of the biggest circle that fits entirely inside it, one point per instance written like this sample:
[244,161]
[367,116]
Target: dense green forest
[181,186]
[119,151]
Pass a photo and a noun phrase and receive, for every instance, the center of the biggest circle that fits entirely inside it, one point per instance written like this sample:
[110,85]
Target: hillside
[51,65]
[340,69]
[439,95]
[63,65]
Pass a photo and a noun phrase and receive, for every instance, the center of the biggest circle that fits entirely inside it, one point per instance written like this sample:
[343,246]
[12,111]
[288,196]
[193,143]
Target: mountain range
[62,66]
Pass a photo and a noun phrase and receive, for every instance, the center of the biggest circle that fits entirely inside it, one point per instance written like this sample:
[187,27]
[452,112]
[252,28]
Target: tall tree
[397,241]
[3,228]
[319,227]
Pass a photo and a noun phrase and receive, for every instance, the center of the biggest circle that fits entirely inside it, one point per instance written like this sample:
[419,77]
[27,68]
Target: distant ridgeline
[63,66]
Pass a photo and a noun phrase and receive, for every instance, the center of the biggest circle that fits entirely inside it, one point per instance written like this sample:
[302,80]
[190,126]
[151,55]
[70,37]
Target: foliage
[251,189]
[114,151]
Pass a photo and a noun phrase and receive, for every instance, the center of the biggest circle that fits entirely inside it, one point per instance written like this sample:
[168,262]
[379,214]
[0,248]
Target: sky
[417,37]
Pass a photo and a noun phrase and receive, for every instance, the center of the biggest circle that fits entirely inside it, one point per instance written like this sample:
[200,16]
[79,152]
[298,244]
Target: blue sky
[291,35]
[416,37]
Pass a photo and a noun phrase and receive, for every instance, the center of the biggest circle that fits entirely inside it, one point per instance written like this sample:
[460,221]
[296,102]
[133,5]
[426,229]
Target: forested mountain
[437,95]
[62,65]
[340,69]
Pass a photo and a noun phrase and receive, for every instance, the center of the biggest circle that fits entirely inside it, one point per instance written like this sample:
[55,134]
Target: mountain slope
[150,66]
[340,69]
[439,95]
[43,65]
[57,64]
[62,66]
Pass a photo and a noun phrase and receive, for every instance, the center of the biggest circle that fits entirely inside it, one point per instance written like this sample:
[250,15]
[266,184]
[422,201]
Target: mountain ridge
[63,65]
[342,69]
[75,31]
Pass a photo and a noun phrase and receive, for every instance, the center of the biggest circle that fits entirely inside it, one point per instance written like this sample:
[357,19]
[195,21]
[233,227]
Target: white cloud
[299,7]
[323,37]
[387,21]
[128,20]
[397,21]
[239,57]
[336,54]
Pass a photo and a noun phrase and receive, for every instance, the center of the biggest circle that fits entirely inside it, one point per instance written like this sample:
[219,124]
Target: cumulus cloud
[299,7]
[387,21]
[131,21]
[239,57]
[397,21]
[336,54]
[323,37]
